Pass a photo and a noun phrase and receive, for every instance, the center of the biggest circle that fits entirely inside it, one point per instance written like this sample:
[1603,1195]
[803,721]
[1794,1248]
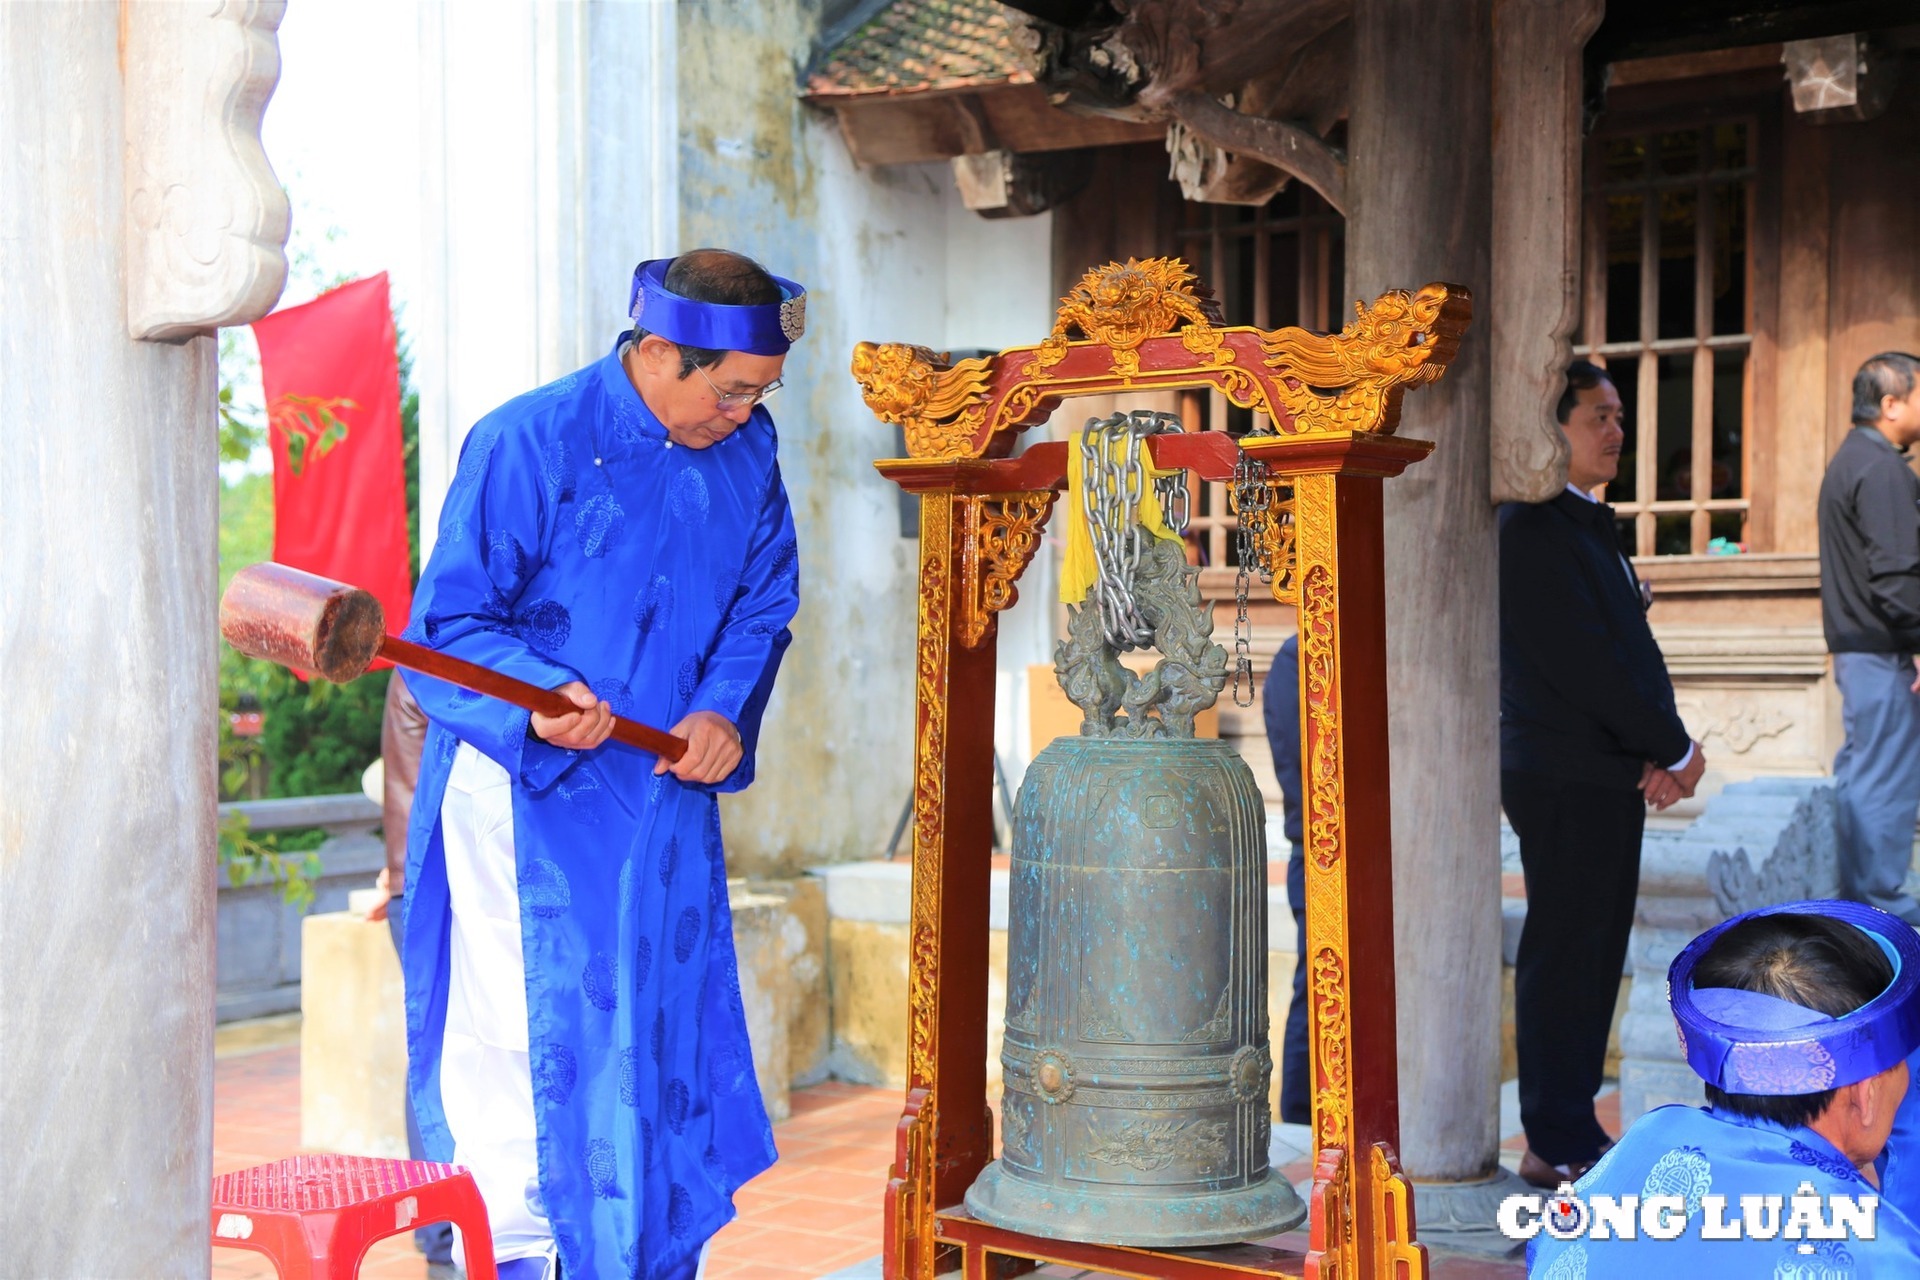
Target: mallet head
[302,620]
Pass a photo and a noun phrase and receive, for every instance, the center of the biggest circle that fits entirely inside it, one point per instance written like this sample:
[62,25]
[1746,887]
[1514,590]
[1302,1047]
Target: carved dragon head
[1124,303]
[1408,337]
[896,378]
[939,406]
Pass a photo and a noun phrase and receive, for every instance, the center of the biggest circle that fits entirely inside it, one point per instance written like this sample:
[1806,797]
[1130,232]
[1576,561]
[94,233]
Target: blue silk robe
[1692,1152]
[578,543]
[1900,1163]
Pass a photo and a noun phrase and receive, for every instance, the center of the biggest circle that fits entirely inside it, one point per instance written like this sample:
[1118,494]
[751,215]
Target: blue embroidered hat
[767,330]
[1747,1042]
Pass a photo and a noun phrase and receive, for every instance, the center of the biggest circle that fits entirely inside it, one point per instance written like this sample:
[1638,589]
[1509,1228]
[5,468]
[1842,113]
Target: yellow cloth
[1080,568]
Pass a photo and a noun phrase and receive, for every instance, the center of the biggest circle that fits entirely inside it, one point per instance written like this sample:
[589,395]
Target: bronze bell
[1136,1058]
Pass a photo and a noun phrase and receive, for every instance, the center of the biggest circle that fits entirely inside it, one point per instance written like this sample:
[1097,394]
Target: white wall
[547,171]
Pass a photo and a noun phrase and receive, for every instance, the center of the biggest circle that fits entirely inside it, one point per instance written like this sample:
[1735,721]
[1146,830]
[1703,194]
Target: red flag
[332,383]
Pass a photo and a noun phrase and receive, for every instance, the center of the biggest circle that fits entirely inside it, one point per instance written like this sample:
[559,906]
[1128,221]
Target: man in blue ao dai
[574,1023]
[1800,1019]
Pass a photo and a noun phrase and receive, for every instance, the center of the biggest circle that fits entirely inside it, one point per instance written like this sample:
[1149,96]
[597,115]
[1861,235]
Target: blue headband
[766,330]
[1746,1042]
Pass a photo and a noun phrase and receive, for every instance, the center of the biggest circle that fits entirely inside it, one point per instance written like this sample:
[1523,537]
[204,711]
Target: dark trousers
[436,1238]
[1580,849]
[1296,1071]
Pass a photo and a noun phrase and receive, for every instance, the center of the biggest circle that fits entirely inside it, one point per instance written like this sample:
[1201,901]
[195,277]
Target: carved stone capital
[206,218]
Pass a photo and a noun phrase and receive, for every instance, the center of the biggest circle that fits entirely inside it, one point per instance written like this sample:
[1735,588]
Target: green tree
[316,738]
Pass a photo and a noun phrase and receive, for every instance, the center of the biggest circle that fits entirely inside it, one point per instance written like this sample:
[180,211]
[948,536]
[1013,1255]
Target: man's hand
[378,911]
[1659,788]
[1915,686]
[1689,777]
[1663,787]
[713,748]
[583,730]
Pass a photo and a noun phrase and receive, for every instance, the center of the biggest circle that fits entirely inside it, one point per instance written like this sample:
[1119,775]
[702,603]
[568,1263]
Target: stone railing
[259,933]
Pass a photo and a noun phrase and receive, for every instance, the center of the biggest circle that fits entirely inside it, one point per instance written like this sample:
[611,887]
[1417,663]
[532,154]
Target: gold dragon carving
[1275,537]
[1332,1101]
[999,535]
[1354,380]
[1313,517]
[1123,304]
[929,830]
[938,404]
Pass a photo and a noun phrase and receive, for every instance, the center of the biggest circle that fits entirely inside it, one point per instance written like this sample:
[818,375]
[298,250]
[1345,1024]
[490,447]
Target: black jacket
[1280,703]
[1584,692]
[1870,548]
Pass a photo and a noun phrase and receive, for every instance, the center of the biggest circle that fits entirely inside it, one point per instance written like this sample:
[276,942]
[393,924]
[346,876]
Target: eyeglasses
[737,399]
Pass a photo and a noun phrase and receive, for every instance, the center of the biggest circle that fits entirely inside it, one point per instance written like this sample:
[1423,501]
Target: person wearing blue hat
[574,1022]
[1800,1018]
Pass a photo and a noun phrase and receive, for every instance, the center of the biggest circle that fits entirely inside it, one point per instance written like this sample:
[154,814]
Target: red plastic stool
[316,1216]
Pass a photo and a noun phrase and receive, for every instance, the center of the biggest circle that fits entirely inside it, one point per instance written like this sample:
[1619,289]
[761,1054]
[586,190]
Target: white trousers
[485,1085]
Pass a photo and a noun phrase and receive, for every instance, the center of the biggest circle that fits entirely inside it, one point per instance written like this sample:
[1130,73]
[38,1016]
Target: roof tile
[913,46]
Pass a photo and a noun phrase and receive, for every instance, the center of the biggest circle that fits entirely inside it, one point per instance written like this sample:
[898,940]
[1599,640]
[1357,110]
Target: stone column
[549,167]
[1418,210]
[132,202]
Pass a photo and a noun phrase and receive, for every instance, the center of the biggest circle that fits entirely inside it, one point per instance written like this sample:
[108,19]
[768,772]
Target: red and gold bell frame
[1334,403]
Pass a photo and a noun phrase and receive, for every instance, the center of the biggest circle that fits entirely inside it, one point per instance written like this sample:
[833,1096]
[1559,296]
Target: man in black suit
[1589,738]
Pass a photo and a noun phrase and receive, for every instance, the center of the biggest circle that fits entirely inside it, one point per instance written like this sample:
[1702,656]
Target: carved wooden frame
[1334,400]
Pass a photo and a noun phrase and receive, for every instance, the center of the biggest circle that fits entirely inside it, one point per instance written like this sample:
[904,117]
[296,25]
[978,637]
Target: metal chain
[1110,495]
[1176,503]
[1252,502]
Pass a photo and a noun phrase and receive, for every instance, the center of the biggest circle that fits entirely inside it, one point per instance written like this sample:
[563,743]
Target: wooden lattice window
[1272,265]
[1666,308]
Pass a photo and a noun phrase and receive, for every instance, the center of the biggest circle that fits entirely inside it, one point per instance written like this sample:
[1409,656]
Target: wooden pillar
[1341,575]
[945,1134]
[1419,209]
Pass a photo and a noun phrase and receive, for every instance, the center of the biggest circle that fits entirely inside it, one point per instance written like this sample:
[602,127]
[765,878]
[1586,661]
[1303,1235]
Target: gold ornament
[939,405]
[1123,304]
[1353,380]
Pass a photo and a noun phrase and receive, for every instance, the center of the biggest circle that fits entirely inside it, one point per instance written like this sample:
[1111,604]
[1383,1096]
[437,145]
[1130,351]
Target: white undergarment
[486,1088]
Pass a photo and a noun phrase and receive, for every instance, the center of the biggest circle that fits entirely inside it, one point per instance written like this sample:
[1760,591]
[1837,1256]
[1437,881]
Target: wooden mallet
[335,631]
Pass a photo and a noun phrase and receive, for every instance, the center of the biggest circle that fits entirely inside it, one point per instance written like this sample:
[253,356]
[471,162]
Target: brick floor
[816,1211]
[256,1119]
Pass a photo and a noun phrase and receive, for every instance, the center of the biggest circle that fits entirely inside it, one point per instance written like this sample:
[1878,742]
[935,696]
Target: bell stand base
[990,1253]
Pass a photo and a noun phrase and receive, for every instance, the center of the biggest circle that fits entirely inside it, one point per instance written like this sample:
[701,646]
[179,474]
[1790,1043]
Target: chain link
[1110,495]
[1252,507]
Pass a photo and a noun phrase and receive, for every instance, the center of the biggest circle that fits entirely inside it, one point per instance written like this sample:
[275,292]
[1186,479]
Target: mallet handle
[404,653]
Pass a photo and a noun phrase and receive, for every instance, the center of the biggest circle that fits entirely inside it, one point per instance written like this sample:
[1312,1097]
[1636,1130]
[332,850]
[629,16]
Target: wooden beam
[909,128]
[1286,146]
[1686,66]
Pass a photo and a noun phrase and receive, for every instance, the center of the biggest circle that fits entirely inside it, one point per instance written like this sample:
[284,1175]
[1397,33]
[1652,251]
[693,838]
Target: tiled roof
[915,45]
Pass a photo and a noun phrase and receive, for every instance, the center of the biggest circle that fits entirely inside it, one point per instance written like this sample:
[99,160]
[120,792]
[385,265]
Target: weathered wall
[886,254]
[107,516]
